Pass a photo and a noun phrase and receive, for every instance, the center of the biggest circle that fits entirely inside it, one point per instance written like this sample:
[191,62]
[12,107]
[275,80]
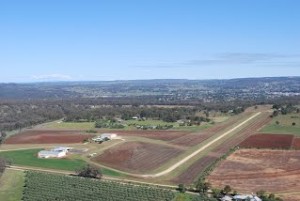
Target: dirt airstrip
[251,170]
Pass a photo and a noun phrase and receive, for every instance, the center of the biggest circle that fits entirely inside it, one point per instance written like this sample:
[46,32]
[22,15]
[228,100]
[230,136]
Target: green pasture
[29,158]
[283,124]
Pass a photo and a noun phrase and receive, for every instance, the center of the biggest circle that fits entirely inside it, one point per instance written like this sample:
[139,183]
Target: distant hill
[186,89]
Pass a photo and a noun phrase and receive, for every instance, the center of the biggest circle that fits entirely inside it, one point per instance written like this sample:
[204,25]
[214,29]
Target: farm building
[104,137]
[241,198]
[57,152]
[108,135]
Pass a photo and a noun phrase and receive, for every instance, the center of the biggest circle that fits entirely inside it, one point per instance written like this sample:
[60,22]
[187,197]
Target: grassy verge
[283,124]
[29,158]
[70,125]
[111,173]
[11,185]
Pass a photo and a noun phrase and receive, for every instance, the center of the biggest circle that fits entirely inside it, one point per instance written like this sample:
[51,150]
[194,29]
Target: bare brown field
[268,141]
[137,157]
[251,170]
[200,165]
[296,143]
[47,137]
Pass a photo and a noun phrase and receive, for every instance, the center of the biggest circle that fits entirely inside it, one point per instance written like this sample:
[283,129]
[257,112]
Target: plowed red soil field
[158,135]
[296,143]
[47,137]
[251,170]
[188,176]
[137,157]
[270,141]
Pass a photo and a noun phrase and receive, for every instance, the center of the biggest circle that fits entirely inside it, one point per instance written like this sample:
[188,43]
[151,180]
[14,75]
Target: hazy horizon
[68,40]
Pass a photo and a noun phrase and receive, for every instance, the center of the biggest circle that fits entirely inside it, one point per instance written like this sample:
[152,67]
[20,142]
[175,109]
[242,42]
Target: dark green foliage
[202,186]
[2,136]
[181,188]
[3,163]
[102,123]
[227,189]
[46,187]
[90,172]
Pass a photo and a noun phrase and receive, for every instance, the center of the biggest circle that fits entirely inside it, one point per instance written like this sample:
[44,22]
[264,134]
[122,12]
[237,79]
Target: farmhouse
[104,137]
[108,135]
[57,152]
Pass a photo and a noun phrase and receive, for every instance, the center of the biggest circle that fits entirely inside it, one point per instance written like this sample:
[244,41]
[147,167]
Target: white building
[246,198]
[104,137]
[108,135]
[57,152]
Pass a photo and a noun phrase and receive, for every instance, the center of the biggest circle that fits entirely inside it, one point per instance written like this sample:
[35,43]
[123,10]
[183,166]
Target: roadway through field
[181,162]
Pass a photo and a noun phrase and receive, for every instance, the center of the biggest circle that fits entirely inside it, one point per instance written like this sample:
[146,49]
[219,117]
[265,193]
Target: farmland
[251,170]
[283,124]
[296,143]
[271,141]
[200,165]
[41,186]
[48,137]
[11,185]
[137,157]
[29,158]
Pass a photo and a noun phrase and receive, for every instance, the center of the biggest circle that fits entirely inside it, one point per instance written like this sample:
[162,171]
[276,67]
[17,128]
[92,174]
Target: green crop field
[11,185]
[42,186]
[282,124]
[29,158]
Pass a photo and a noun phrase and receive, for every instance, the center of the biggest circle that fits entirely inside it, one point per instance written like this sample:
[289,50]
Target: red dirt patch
[251,170]
[296,143]
[158,135]
[270,141]
[47,137]
[137,157]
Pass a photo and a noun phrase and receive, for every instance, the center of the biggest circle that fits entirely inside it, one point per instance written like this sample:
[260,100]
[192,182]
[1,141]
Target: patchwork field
[47,137]
[251,170]
[193,171]
[137,157]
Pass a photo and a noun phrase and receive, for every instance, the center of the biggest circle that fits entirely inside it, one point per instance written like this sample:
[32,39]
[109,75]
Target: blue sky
[148,39]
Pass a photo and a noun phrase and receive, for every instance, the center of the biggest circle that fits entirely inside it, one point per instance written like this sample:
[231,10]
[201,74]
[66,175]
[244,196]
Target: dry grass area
[251,170]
